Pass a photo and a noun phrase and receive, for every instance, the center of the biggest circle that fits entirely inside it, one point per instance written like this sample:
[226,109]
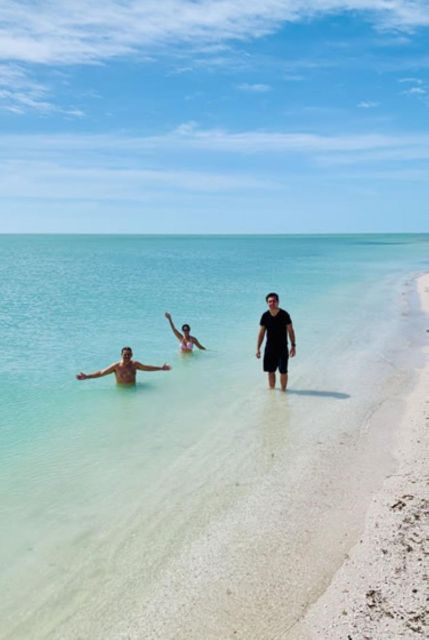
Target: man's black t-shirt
[276,329]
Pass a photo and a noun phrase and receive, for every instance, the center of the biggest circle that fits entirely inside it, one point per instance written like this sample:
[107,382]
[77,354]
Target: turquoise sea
[120,507]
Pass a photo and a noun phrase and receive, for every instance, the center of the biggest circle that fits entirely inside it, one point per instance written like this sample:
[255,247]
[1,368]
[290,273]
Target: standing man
[125,370]
[277,324]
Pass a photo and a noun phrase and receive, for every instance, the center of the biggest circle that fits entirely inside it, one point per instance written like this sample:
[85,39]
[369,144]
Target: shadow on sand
[320,394]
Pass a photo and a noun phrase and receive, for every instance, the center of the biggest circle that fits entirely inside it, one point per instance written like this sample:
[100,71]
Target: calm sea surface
[102,487]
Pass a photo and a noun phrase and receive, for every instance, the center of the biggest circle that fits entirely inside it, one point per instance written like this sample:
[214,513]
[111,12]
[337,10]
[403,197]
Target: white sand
[381,590]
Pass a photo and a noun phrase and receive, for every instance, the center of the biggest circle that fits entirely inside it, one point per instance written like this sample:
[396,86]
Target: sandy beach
[380,592]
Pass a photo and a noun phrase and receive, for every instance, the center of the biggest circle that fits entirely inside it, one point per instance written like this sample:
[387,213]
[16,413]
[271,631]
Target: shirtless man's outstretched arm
[150,367]
[98,374]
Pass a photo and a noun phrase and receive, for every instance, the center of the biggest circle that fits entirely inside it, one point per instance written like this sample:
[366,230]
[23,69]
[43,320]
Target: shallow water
[104,490]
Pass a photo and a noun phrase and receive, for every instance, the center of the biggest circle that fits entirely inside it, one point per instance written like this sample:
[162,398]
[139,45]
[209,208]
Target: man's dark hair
[126,349]
[186,327]
[272,295]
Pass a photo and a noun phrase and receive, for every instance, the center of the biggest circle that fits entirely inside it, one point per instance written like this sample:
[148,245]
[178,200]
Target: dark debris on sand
[399,600]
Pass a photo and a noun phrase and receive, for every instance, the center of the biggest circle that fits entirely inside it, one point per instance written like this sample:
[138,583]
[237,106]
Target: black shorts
[276,359]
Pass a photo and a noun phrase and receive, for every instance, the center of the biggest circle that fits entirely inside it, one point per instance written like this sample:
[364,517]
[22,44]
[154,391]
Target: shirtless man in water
[124,370]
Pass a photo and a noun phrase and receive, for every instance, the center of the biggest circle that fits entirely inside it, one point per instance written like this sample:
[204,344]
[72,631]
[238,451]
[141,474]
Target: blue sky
[227,116]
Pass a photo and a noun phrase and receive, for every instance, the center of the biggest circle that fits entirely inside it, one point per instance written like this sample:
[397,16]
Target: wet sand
[381,590]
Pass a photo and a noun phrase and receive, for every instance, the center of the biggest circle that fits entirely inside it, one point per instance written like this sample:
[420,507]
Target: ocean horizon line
[339,234]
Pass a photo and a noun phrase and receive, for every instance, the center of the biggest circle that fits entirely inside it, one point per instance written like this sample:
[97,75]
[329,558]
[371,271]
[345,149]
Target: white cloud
[87,31]
[283,142]
[188,137]
[290,77]
[19,93]
[61,179]
[411,80]
[116,166]
[367,104]
[19,102]
[74,113]
[415,91]
[17,78]
[254,88]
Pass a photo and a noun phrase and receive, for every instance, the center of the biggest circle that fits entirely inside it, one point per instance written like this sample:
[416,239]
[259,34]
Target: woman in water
[187,341]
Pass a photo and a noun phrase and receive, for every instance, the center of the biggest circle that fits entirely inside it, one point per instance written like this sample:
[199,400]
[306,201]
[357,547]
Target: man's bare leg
[272,380]
[283,381]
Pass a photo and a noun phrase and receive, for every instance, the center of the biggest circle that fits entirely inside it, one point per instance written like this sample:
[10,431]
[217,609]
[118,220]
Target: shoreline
[379,591]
